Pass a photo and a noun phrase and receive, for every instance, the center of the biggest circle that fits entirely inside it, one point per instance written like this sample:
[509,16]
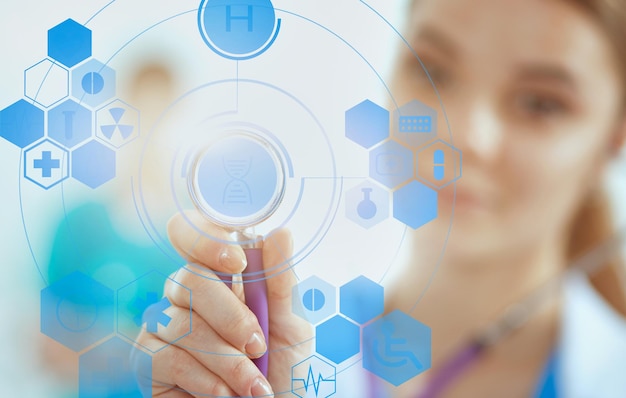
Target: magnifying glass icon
[237,182]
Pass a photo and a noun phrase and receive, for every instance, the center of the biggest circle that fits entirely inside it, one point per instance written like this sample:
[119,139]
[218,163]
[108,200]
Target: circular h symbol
[238,29]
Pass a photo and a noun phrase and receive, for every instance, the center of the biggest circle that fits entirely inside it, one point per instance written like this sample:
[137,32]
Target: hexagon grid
[367,204]
[69,43]
[70,124]
[337,339]
[313,378]
[314,300]
[77,311]
[22,124]
[396,347]
[46,83]
[93,164]
[115,369]
[46,164]
[140,304]
[415,204]
[93,83]
[367,124]
[361,300]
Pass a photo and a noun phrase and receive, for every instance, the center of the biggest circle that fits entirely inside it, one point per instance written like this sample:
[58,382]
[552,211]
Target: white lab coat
[592,350]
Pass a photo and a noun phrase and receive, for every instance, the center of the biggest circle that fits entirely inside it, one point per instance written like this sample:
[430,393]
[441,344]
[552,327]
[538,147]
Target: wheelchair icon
[387,355]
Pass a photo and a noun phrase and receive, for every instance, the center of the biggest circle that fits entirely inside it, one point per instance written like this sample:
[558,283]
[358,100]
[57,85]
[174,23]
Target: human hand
[215,359]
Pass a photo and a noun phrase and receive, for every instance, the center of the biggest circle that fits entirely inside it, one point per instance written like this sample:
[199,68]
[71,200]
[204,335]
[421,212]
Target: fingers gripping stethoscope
[237,182]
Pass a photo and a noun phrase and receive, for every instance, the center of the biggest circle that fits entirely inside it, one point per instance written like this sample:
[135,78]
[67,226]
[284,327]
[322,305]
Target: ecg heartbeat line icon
[310,381]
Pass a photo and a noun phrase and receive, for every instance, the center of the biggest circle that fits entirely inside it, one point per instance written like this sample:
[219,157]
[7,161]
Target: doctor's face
[532,93]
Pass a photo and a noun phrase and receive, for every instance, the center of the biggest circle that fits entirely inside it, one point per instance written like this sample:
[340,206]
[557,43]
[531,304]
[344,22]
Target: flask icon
[367,209]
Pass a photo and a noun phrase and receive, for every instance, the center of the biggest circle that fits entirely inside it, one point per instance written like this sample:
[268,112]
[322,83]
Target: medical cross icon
[46,164]
[155,315]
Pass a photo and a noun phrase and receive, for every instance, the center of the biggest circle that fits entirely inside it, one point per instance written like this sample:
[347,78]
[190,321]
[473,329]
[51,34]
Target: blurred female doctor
[535,93]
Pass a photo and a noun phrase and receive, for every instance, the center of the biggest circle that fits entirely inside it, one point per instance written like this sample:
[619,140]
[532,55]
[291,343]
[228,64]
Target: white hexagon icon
[314,300]
[117,123]
[46,164]
[46,83]
[367,204]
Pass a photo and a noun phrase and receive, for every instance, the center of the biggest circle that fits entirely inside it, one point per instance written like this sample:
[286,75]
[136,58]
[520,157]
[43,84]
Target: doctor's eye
[440,75]
[540,106]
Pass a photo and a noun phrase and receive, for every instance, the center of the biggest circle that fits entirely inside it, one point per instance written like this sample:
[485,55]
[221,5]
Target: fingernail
[233,259]
[261,388]
[256,346]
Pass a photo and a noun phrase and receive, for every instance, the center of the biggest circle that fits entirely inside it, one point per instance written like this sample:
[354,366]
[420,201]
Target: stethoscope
[237,182]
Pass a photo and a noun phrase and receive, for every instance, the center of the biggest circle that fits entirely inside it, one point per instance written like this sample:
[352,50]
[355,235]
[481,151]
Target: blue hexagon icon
[415,204]
[313,378]
[69,43]
[396,347]
[46,164]
[414,124]
[93,83]
[93,164]
[22,124]
[361,299]
[439,164]
[314,300]
[77,311]
[70,124]
[115,369]
[337,339]
[140,304]
[46,83]
[391,164]
[367,204]
[367,124]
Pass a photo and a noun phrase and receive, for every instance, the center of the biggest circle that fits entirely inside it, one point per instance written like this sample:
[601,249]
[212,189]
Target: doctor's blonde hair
[593,224]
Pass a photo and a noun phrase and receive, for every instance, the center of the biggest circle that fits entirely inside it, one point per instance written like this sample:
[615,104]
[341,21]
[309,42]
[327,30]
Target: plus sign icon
[238,29]
[46,164]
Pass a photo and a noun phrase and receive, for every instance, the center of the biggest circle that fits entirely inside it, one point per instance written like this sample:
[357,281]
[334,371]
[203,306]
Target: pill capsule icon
[439,160]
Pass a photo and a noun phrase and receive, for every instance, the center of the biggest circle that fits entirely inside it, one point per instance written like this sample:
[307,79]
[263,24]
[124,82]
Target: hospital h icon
[230,18]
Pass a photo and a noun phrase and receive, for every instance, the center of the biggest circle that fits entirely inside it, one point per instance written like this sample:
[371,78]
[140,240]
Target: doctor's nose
[477,129]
